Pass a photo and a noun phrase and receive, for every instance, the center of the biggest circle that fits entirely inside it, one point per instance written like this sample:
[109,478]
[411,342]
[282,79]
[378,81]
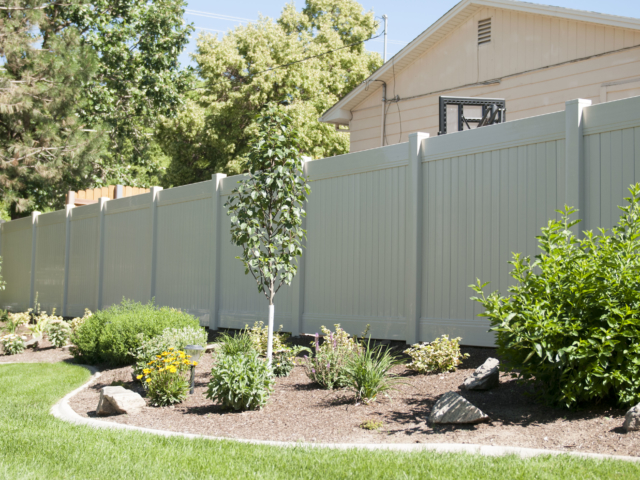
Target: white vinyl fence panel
[185,244]
[50,260]
[84,257]
[395,235]
[16,252]
[127,250]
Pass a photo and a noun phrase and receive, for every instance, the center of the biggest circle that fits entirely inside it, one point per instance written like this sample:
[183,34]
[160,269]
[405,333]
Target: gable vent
[484,31]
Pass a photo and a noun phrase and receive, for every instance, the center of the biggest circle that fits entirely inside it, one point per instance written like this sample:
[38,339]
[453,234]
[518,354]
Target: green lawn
[35,445]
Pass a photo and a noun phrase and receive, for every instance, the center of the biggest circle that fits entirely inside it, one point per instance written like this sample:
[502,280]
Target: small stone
[33,343]
[485,377]
[119,400]
[453,408]
[632,419]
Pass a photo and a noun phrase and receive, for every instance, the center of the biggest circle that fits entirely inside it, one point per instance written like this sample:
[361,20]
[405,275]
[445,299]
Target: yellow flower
[139,377]
[195,364]
[164,354]
[146,371]
[148,380]
[171,348]
[173,370]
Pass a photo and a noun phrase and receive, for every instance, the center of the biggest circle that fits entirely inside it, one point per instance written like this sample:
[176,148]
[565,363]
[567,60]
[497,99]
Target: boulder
[632,419]
[115,400]
[33,343]
[485,377]
[452,408]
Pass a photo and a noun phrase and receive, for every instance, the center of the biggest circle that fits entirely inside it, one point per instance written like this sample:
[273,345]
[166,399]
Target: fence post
[574,158]
[67,251]
[297,300]
[216,213]
[34,240]
[154,238]
[102,205]
[413,261]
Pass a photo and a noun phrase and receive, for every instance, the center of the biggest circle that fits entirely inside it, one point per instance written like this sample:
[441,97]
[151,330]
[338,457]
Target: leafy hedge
[110,336]
[571,323]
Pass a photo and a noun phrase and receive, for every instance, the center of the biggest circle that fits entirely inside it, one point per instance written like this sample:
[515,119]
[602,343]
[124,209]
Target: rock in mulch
[453,408]
[114,400]
[632,419]
[485,377]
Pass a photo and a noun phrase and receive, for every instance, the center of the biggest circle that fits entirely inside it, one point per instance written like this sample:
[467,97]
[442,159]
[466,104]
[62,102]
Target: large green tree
[81,88]
[263,63]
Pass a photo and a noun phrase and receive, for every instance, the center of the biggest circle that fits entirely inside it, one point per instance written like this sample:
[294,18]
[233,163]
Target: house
[536,57]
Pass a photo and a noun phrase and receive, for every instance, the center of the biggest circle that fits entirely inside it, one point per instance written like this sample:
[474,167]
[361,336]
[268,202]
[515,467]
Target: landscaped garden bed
[299,411]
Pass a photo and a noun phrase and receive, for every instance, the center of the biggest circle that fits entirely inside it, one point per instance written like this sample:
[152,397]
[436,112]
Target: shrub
[12,344]
[238,344]
[58,332]
[13,321]
[283,363]
[441,355]
[76,322]
[259,335]
[327,365]
[571,322]
[167,377]
[40,324]
[110,336]
[367,372]
[241,382]
[170,338]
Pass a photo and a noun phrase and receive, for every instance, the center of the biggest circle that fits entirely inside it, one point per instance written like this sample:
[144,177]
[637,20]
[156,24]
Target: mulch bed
[45,353]
[300,411]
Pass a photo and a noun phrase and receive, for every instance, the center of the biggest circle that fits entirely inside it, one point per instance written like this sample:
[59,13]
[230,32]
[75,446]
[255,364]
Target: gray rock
[485,377]
[632,419]
[104,405]
[452,408]
[115,400]
[33,343]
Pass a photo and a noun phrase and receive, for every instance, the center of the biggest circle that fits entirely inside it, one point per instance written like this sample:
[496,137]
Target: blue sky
[407,19]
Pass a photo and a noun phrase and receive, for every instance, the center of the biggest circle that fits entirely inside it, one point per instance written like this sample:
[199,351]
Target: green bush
[441,355]
[12,344]
[169,339]
[237,344]
[110,336]
[59,332]
[241,382]
[571,323]
[367,372]
[326,366]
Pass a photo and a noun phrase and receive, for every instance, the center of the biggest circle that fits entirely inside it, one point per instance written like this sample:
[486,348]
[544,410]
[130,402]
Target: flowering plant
[443,354]
[12,344]
[327,366]
[166,377]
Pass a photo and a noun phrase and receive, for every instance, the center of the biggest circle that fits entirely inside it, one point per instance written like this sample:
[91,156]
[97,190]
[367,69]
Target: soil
[299,410]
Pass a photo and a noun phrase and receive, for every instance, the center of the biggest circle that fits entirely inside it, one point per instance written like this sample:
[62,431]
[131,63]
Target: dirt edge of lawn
[64,412]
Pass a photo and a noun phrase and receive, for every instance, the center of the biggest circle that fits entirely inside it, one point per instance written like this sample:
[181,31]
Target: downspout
[383,126]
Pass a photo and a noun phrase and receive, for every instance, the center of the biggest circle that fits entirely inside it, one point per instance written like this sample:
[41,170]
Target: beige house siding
[523,45]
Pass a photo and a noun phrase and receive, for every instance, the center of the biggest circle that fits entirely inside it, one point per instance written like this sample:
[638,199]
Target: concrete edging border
[63,411]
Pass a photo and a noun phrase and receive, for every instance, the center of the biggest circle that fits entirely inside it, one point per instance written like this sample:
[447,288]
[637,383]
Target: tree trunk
[270,339]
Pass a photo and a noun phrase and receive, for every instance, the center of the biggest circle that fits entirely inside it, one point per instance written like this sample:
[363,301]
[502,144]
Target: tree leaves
[260,207]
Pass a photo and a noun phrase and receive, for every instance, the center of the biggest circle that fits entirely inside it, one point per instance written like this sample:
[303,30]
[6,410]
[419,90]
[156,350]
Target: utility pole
[384,56]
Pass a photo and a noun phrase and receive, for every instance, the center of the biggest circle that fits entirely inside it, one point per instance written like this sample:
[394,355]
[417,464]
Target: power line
[314,56]
[218,16]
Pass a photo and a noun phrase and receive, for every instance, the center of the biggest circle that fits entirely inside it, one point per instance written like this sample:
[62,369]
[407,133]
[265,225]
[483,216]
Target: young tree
[242,73]
[266,208]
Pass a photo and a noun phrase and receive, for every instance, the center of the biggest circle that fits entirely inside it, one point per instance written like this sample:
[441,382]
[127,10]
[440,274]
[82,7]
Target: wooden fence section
[395,235]
[91,195]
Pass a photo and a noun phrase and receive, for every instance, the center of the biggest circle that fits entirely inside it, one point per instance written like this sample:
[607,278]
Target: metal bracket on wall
[494,110]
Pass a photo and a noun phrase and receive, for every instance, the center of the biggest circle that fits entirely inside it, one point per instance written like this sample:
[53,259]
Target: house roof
[340,113]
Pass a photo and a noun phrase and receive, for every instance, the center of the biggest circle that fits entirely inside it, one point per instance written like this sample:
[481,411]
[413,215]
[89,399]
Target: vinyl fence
[395,234]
